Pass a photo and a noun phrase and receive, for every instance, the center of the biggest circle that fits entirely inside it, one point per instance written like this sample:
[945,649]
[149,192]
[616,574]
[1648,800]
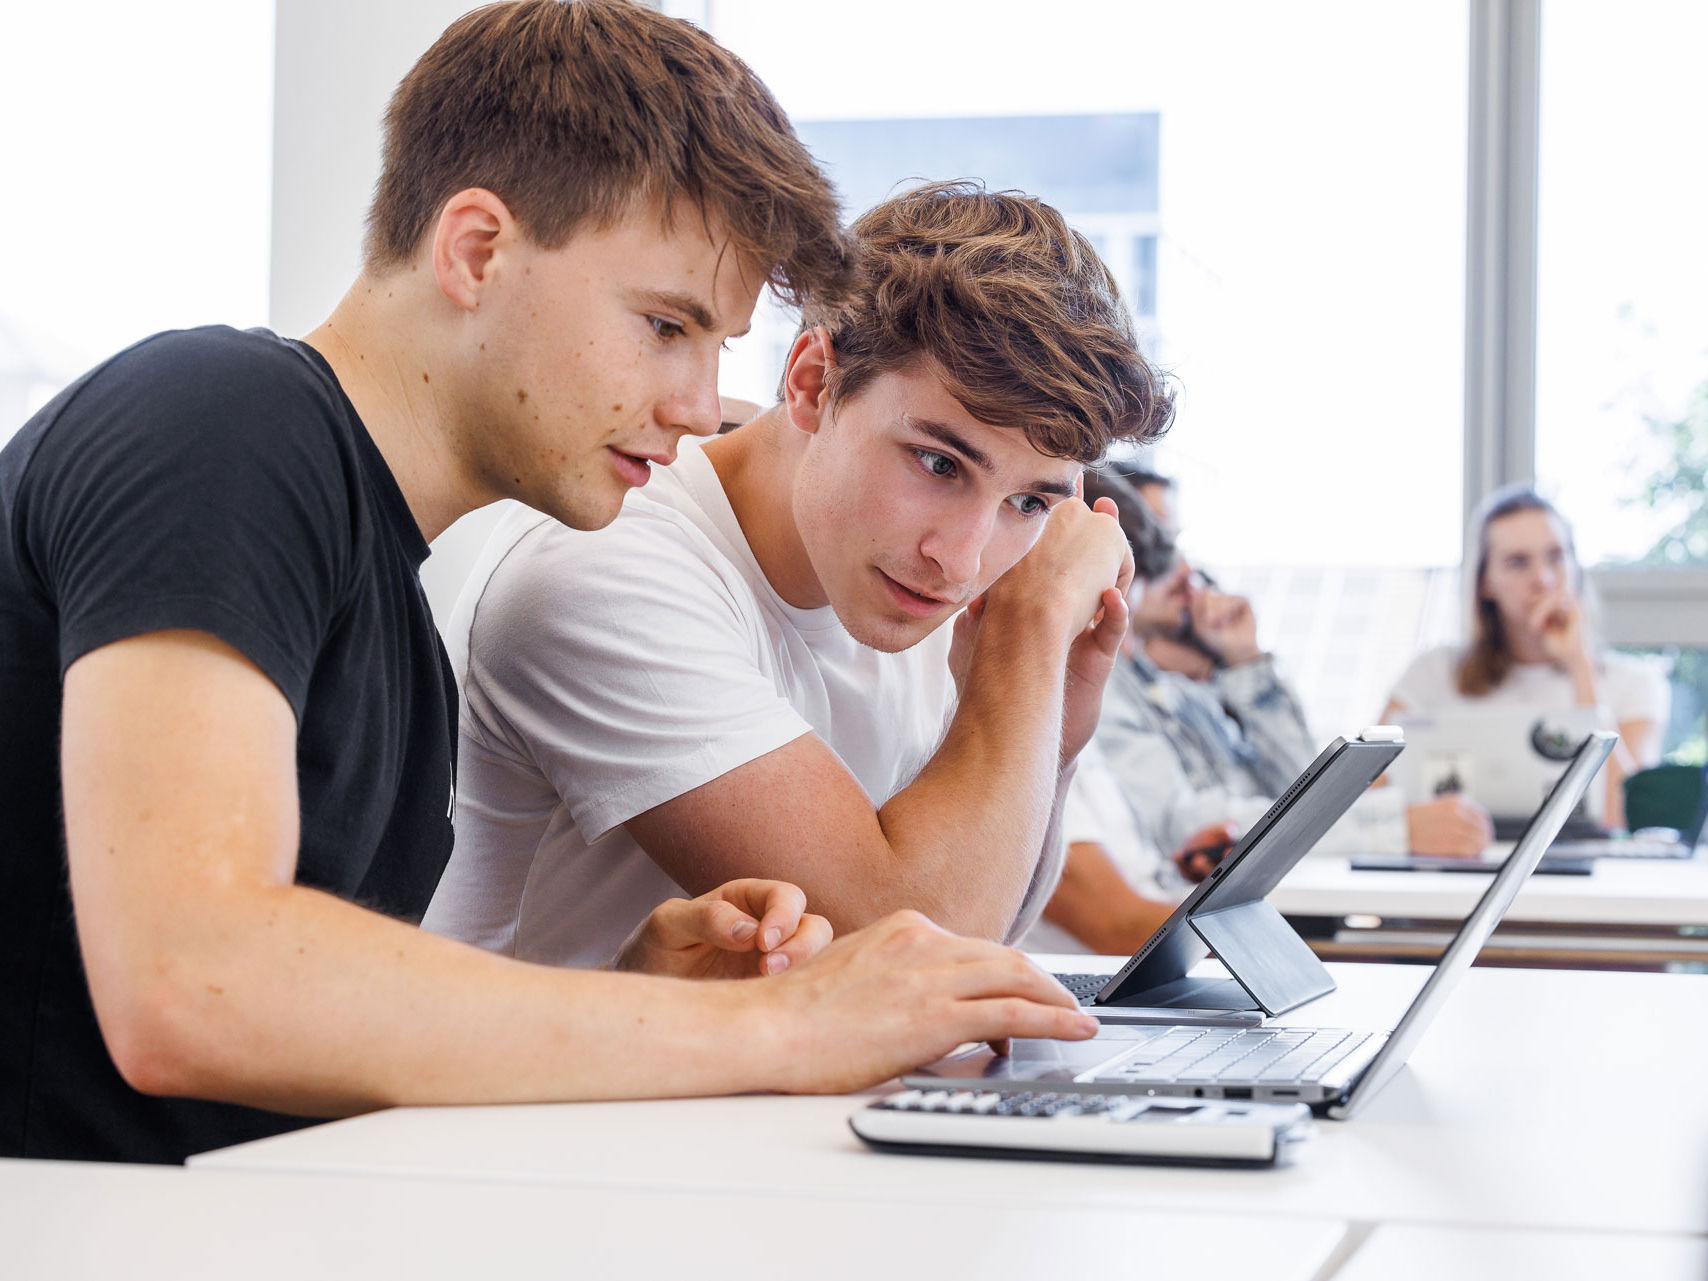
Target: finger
[1129,569]
[998,1018]
[780,913]
[992,970]
[1213,837]
[679,923]
[810,938]
[1111,626]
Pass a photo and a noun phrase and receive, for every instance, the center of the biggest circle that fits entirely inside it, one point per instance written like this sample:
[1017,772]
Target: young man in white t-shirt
[748,673]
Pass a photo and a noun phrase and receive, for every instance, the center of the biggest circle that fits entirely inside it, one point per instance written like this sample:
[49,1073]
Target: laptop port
[1284,1094]
[1236,1092]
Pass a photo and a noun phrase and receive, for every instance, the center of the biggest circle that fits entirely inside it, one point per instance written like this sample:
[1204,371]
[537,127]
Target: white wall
[336,66]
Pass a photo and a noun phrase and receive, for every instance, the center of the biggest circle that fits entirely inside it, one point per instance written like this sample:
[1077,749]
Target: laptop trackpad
[1039,1060]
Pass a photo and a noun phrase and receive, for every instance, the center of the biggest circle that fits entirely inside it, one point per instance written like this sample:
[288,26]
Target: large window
[1281,189]
[1622,329]
[137,154]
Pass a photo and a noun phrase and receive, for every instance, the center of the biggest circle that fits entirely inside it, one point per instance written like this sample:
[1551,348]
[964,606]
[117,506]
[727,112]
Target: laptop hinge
[1265,955]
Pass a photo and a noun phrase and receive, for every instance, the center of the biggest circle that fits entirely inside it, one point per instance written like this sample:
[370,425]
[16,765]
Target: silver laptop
[1337,1070]
[1504,758]
[1271,969]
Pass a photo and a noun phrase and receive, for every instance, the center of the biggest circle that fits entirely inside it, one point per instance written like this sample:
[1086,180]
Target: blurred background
[1394,255]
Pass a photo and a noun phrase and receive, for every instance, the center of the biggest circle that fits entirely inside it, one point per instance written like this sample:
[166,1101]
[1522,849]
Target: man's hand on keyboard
[913,992]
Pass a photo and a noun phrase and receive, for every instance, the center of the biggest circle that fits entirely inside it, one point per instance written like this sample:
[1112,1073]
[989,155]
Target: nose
[956,542]
[695,407]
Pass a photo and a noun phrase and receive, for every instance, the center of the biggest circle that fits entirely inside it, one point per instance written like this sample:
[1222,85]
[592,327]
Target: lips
[919,604]
[636,469]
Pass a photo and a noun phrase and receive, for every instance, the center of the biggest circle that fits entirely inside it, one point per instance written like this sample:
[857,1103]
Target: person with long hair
[1531,643]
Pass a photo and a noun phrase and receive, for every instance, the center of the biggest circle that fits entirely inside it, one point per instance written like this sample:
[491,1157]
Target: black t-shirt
[216,480]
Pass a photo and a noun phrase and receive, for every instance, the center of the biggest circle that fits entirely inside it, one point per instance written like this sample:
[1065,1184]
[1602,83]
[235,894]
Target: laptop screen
[1483,918]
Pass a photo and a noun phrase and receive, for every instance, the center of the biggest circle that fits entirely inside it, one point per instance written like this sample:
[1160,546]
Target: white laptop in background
[1504,758]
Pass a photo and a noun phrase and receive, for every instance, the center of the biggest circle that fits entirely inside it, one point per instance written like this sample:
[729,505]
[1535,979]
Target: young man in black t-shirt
[228,724]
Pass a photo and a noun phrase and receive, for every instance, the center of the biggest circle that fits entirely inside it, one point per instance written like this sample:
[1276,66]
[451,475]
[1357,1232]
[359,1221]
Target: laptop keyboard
[1208,1056]
[1084,987]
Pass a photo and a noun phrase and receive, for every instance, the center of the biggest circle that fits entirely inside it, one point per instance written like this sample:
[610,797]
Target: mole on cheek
[521,396]
[616,409]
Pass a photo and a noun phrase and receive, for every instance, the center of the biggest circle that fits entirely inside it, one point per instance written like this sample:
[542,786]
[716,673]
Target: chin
[885,634]
[581,510]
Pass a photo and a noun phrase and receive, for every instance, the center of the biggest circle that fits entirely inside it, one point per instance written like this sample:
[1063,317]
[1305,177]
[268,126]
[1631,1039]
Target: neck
[378,342]
[756,464]
[1525,647]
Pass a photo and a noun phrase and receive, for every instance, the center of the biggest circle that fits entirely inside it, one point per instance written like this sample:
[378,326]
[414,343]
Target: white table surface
[73,1222]
[1616,892]
[1404,1253]
[1538,1099]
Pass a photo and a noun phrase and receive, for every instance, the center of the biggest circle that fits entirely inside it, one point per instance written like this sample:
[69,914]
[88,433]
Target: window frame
[1640,606]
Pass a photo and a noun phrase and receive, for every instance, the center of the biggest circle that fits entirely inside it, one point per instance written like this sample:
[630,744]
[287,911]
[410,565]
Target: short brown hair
[1012,308]
[576,113]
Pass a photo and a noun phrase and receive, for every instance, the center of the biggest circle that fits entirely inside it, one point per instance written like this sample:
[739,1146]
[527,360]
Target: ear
[474,230]
[806,379]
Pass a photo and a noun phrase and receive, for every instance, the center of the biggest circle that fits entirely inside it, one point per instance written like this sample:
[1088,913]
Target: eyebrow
[689,306]
[943,434]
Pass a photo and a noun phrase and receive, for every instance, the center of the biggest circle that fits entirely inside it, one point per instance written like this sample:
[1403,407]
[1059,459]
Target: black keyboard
[1084,987]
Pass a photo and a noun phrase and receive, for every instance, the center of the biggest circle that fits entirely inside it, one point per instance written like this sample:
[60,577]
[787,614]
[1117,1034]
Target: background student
[1531,644]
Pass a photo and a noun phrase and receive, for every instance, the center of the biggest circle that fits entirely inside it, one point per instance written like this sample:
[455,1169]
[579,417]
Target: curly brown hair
[583,112]
[1013,309]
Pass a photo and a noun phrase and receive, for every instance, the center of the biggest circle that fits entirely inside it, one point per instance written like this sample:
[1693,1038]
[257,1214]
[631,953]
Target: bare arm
[960,842]
[1095,904]
[213,975]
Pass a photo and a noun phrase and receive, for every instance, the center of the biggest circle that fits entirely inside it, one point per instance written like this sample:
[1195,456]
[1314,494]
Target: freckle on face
[616,409]
[424,378]
[521,396]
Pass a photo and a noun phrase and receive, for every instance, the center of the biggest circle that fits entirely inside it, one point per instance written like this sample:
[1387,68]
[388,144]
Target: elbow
[158,1039]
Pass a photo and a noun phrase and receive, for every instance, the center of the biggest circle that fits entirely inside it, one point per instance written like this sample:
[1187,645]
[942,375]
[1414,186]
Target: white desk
[66,1222]
[1477,1254]
[1519,1111]
[1627,912]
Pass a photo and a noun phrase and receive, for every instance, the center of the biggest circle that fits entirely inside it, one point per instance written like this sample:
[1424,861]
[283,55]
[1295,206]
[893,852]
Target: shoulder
[225,400]
[1636,686]
[203,371]
[649,553]
[647,584]
[1428,679]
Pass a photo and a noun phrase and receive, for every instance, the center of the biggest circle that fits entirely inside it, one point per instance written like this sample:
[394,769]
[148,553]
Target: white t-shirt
[1631,688]
[607,672]
[1097,812]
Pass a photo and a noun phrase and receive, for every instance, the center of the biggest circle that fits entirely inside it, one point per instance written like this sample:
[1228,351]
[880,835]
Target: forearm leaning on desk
[215,976]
